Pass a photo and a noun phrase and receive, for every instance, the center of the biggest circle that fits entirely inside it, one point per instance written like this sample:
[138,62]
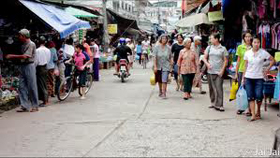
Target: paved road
[129,119]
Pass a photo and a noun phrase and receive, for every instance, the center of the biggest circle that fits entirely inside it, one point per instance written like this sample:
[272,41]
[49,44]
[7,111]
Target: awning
[79,13]
[194,20]
[57,18]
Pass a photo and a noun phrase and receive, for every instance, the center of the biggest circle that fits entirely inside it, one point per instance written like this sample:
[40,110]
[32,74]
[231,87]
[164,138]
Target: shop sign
[112,28]
[215,16]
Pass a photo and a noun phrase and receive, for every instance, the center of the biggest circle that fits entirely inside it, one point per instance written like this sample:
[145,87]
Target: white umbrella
[194,20]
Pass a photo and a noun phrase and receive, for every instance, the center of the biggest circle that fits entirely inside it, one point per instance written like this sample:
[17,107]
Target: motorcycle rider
[122,52]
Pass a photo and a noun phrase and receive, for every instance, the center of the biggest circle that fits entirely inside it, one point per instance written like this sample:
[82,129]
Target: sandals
[202,92]
[220,109]
[239,112]
[22,109]
[211,107]
[248,114]
[258,116]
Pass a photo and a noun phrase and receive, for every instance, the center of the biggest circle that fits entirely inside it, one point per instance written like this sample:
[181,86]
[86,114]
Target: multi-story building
[165,13]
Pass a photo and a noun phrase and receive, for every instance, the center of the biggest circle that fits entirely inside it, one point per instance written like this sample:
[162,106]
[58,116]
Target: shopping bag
[233,91]
[241,99]
[276,89]
[153,79]
[115,57]
[137,57]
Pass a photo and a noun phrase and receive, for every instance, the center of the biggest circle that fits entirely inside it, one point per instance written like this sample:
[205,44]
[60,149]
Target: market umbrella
[79,13]
[194,20]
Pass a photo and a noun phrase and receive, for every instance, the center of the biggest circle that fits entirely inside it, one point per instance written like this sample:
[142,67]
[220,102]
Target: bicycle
[71,83]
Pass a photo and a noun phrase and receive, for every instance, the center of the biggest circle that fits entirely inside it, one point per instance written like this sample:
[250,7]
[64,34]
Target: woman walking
[216,60]
[187,63]
[162,64]
[175,49]
[254,76]
[240,66]
[52,64]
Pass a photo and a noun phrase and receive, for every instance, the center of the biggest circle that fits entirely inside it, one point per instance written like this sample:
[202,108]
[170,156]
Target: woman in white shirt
[253,76]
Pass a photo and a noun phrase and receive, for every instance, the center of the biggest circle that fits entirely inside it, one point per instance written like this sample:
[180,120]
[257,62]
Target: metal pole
[158,13]
[105,26]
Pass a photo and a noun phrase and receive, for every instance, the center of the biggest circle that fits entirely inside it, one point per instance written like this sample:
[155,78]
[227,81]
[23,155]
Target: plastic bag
[233,91]
[153,79]
[137,57]
[276,89]
[241,99]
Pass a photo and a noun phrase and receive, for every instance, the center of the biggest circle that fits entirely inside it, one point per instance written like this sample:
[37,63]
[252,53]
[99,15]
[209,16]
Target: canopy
[79,13]
[194,20]
[57,18]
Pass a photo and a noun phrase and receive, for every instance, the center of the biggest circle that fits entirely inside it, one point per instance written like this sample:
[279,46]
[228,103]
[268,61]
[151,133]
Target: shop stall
[41,19]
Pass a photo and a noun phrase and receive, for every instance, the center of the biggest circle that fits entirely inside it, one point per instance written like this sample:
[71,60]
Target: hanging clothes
[264,33]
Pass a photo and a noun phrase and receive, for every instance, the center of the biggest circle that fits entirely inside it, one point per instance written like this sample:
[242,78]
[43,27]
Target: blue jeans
[254,89]
[28,91]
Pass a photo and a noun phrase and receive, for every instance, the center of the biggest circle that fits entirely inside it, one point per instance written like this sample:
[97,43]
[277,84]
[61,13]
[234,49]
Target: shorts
[162,76]
[82,77]
[254,89]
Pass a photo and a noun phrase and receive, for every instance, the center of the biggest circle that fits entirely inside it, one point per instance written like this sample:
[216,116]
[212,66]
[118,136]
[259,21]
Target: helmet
[122,41]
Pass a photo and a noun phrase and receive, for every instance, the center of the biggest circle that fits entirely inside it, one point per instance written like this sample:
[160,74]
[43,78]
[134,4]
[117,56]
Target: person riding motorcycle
[122,52]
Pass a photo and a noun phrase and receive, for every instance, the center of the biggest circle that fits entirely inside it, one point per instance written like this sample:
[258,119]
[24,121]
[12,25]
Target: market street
[130,119]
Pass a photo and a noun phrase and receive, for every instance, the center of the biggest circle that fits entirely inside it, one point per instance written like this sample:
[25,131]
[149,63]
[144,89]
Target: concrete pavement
[130,119]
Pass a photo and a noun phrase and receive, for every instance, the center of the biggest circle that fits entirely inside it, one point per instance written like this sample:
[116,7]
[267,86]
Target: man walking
[42,58]
[27,86]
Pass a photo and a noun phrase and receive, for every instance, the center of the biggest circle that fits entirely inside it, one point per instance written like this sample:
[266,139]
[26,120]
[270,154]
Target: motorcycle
[123,72]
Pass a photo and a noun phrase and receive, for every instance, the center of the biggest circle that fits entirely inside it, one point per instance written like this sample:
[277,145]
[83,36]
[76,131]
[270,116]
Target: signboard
[112,28]
[215,16]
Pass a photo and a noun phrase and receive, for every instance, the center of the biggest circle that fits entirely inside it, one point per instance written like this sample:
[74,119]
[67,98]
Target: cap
[42,38]
[25,33]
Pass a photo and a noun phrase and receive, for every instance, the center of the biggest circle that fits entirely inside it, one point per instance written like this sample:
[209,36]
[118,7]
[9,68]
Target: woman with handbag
[216,60]
[162,64]
[188,67]
[240,66]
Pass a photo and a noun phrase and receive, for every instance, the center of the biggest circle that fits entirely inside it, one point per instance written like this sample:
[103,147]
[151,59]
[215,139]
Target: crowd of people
[183,59]
[44,64]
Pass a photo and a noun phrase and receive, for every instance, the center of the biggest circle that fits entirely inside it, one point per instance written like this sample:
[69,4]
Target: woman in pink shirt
[81,62]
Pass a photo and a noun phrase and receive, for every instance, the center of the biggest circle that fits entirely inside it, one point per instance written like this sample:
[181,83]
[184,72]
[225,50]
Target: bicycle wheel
[89,82]
[65,89]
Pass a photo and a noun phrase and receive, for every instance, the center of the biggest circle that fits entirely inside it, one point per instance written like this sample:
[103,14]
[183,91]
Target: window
[122,5]
[126,7]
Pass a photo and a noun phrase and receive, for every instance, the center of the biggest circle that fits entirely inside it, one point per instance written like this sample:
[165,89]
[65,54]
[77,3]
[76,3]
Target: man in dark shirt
[122,52]
[28,92]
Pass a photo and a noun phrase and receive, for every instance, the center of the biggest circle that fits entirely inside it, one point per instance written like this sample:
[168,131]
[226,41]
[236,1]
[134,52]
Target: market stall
[41,19]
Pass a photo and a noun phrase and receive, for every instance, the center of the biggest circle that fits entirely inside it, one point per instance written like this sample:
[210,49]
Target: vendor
[27,87]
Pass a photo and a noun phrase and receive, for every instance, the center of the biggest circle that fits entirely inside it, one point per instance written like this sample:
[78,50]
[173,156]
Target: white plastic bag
[241,99]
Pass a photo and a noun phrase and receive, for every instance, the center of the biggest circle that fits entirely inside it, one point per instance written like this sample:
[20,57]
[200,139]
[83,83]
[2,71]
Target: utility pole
[105,27]
[158,13]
